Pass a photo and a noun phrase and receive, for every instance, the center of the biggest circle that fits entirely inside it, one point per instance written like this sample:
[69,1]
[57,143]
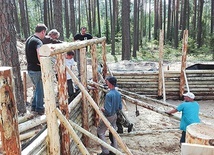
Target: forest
[130,26]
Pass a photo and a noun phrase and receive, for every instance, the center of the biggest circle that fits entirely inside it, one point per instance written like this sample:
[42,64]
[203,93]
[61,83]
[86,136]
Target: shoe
[32,109]
[103,153]
[111,153]
[41,112]
[130,127]
[119,131]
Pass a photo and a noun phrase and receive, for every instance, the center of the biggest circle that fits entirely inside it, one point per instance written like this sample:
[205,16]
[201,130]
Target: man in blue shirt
[111,106]
[190,113]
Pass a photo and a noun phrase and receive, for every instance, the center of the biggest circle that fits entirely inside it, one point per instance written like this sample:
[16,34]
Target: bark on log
[160,75]
[95,78]
[25,118]
[199,133]
[104,59]
[183,62]
[75,137]
[8,113]
[63,102]
[50,105]
[76,101]
[94,105]
[53,49]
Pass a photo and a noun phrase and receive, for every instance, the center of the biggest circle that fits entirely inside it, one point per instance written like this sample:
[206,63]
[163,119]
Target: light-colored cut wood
[196,149]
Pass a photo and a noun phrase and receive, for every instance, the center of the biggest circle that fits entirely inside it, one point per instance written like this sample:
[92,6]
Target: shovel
[137,113]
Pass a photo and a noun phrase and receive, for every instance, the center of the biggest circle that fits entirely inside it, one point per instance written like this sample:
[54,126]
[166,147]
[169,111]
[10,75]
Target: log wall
[201,83]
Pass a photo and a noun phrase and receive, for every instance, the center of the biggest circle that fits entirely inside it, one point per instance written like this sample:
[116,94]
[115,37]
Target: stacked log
[201,83]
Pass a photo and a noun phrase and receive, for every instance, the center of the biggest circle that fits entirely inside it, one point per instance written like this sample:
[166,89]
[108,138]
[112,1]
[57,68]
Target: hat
[112,80]
[190,95]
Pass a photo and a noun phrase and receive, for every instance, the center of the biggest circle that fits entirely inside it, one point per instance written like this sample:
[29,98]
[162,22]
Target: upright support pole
[95,79]
[105,68]
[160,77]
[50,105]
[8,114]
[183,62]
[83,78]
[63,102]
[25,87]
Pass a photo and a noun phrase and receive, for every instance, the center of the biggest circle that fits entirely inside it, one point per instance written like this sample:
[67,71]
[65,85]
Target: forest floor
[153,133]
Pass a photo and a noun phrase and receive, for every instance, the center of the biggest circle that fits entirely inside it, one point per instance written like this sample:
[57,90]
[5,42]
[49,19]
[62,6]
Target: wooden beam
[160,75]
[104,59]
[183,62]
[53,49]
[8,113]
[63,102]
[50,105]
[95,79]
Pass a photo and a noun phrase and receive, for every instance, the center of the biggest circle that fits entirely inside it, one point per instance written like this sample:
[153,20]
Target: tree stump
[199,133]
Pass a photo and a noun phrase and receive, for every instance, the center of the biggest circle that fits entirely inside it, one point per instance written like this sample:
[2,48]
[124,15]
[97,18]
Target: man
[111,106]
[190,113]
[32,47]
[81,36]
[52,37]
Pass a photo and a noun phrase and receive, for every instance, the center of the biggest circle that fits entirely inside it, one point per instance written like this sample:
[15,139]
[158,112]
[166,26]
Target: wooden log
[142,76]
[8,113]
[199,133]
[53,49]
[28,135]
[50,105]
[25,118]
[83,74]
[75,137]
[74,103]
[37,142]
[95,78]
[25,87]
[160,75]
[183,62]
[63,102]
[94,105]
[104,59]
[135,73]
[32,123]
[196,149]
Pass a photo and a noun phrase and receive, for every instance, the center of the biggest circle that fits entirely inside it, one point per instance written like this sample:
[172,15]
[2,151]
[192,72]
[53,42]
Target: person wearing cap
[190,113]
[112,105]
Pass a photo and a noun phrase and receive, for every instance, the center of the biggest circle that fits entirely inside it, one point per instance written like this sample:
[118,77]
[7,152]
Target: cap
[112,80]
[190,95]
[70,53]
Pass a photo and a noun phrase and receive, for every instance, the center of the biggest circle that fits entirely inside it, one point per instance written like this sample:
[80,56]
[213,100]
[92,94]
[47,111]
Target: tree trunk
[23,18]
[136,31]
[58,17]
[8,112]
[199,23]
[16,19]
[8,50]
[98,18]
[66,19]
[106,22]
[72,16]
[126,47]
[176,24]
[113,29]
[169,35]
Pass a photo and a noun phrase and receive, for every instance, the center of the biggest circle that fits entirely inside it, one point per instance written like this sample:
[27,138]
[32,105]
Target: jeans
[183,137]
[38,94]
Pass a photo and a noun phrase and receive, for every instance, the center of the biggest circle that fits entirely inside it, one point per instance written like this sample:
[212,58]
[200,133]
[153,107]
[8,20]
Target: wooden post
[183,62]
[83,78]
[160,78]
[95,79]
[25,87]
[104,59]
[63,102]
[94,105]
[8,114]
[50,104]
